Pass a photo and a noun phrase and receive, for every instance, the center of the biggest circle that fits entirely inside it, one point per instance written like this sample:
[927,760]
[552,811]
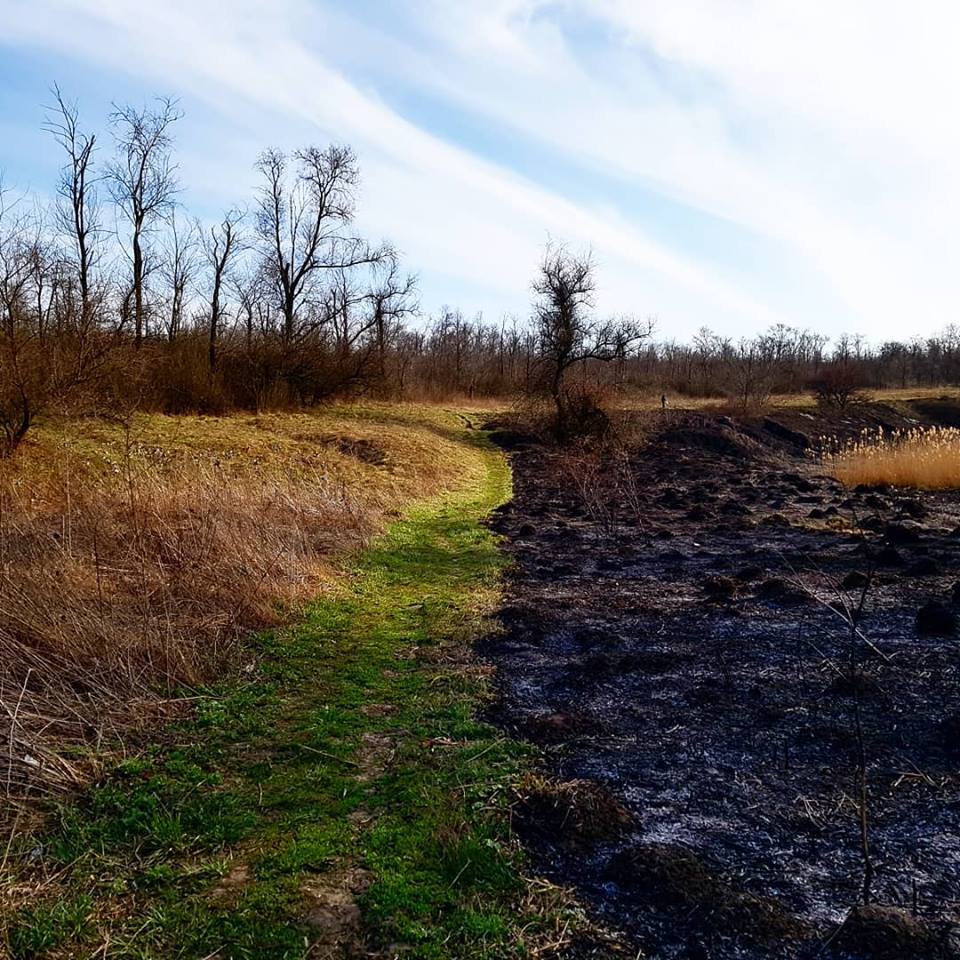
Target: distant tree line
[113,298]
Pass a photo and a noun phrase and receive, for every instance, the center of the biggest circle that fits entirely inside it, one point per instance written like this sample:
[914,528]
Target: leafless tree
[17,403]
[392,298]
[252,292]
[143,183]
[220,246]
[753,374]
[304,223]
[46,351]
[178,268]
[567,331]
[78,206]
[409,345]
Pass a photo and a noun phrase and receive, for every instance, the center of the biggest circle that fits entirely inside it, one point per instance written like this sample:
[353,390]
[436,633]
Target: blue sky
[732,163]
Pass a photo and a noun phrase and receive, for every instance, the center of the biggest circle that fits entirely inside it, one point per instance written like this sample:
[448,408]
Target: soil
[688,650]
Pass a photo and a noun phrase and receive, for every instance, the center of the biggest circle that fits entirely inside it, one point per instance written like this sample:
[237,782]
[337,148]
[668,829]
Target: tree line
[114,298]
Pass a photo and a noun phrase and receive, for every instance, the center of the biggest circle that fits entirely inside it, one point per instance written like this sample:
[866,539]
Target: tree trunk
[137,290]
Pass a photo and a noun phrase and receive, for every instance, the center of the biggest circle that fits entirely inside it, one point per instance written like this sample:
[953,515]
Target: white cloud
[827,128]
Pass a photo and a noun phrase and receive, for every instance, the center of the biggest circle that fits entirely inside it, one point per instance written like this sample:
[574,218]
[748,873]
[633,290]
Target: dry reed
[926,459]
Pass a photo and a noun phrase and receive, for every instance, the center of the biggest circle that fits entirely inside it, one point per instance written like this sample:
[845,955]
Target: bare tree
[17,366]
[221,245]
[753,372]
[304,223]
[567,332]
[42,363]
[78,207]
[143,183]
[252,289]
[178,268]
[391,299]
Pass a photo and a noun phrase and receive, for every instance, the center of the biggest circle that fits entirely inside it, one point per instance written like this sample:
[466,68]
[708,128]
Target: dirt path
[683,655]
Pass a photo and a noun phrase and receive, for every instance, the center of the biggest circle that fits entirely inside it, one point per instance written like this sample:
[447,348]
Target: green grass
[356,745]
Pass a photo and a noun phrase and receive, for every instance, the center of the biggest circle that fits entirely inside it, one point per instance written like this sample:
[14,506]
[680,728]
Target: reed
[925,459]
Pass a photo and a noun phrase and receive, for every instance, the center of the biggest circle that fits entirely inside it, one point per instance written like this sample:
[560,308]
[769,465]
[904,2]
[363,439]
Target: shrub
[839,386]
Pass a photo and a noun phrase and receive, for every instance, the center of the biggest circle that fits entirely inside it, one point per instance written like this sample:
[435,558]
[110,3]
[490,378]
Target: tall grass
[924,459]
[132,562]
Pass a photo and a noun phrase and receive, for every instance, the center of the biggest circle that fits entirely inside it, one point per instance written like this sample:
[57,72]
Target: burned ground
[688,653]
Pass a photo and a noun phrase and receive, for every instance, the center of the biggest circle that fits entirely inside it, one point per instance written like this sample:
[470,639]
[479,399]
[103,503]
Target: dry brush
[134,558]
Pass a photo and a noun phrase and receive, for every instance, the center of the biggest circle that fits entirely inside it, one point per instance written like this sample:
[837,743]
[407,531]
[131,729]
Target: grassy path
[347,796]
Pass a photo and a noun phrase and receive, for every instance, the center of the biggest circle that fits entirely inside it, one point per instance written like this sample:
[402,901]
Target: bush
[839,386]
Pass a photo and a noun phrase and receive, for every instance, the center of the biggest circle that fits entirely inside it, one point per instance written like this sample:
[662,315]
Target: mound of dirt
[944,411]
[574,811]
[888,933]
[672,878]
[788,435]
[710,435]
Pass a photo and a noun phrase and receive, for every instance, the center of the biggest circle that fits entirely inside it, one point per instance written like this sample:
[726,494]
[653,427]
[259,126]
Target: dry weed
[134,558]
[924,459]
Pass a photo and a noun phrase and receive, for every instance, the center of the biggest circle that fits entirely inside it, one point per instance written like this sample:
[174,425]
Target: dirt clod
[672,878]
[900,534]
[936,619]
[876,932]
[555,727]
[332,913]
[854,581]
[575,811]
[778,590]
[720,588]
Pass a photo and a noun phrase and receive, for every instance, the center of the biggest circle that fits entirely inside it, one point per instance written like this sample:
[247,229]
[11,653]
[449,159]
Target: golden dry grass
[133,557]
[923,459]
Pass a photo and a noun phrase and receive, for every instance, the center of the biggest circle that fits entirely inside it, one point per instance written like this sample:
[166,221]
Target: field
[135,555]
[742,674]
[689,692]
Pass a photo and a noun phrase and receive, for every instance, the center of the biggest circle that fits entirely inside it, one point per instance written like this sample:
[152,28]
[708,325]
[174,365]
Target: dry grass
[803,401]
[133,557]
[923,459]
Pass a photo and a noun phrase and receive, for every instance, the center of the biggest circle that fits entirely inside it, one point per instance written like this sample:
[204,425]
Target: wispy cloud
[784,122]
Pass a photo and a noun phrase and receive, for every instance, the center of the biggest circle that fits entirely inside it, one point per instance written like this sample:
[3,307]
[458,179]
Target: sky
[730,163]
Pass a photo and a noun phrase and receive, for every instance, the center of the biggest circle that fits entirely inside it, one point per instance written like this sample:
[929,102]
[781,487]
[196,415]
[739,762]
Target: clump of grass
[924,459]
[135,556]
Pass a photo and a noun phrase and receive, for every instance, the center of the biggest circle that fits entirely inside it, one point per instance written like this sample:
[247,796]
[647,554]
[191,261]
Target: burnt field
[708,637]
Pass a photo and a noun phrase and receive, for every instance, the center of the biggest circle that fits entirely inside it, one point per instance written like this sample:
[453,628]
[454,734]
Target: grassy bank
[162,541]
[346,795]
